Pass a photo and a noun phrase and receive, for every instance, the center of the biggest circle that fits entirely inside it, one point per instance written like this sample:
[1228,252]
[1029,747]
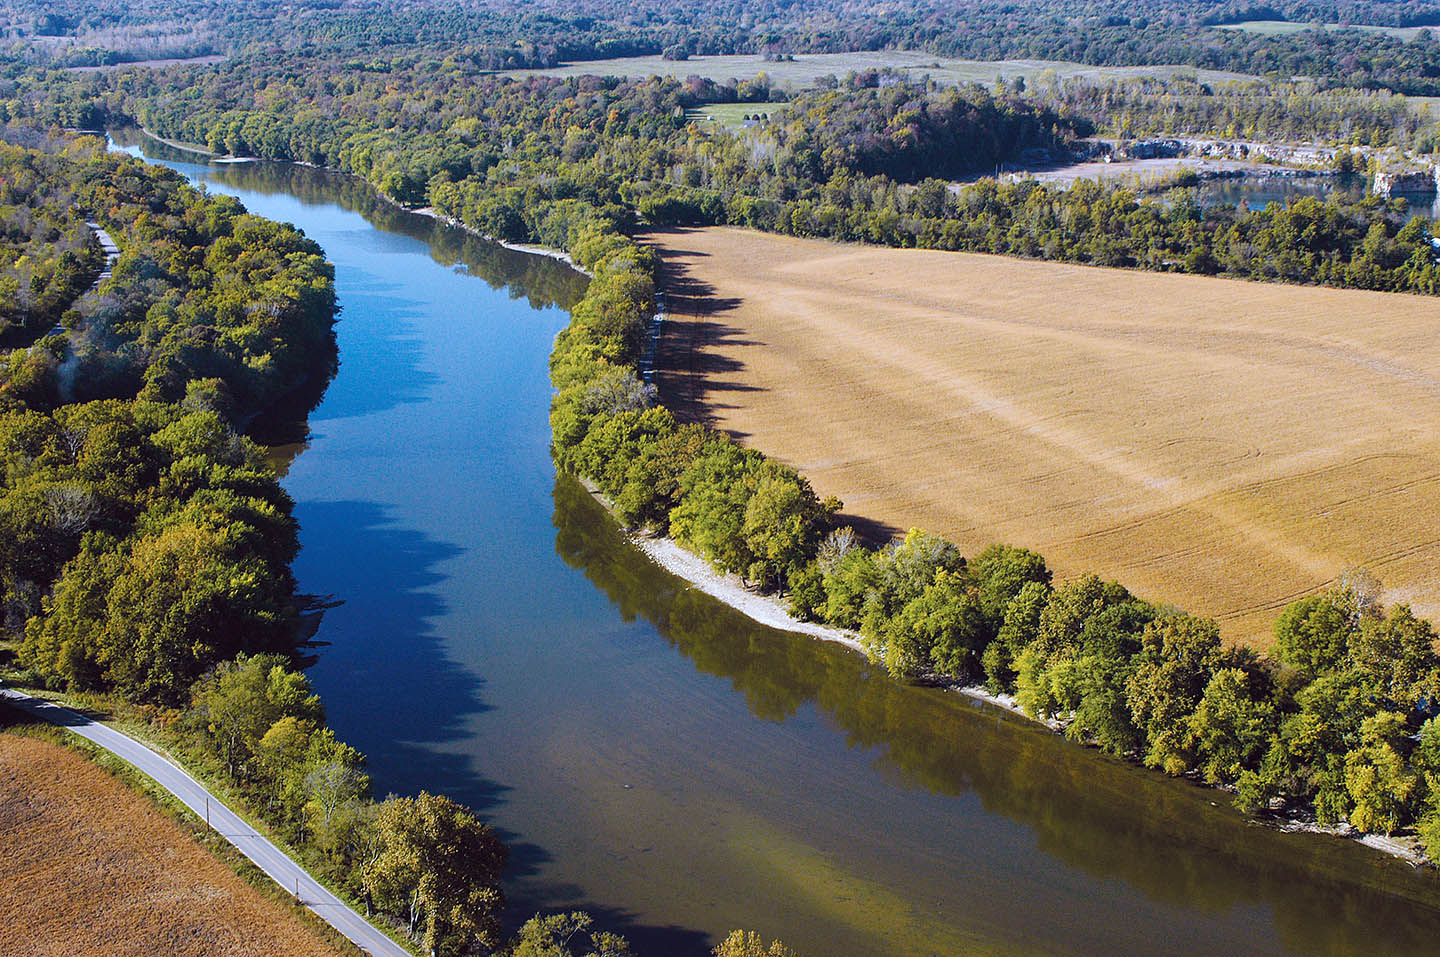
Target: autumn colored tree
[437,868]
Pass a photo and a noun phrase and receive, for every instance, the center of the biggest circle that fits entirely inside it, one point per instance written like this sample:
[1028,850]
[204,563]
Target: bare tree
[834,548]
[72,507]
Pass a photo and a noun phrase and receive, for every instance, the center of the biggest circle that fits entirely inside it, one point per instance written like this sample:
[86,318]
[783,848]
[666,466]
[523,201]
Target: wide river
[655,758]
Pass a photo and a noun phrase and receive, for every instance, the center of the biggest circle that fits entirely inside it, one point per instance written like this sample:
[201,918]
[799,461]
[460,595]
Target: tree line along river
[656,758]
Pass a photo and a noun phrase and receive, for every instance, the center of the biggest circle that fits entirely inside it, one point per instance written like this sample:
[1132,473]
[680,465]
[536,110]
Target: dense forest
[507,34]
[48,255]
[515,159]
[1265,112]
[126,485]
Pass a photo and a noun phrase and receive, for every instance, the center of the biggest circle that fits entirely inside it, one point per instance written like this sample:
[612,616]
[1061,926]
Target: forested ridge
[505,35]
[858,164]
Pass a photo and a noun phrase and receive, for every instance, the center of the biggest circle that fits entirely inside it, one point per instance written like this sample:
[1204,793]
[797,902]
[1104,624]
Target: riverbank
[430,213]
[442,671]
[769,611]
[177,145]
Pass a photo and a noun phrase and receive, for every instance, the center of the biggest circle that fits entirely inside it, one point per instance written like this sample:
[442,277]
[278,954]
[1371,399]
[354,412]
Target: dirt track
[1220,445]
[90,868]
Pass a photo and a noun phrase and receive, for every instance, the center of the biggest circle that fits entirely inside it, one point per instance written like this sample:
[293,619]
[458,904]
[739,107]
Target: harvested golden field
[1219,445]
[92,868]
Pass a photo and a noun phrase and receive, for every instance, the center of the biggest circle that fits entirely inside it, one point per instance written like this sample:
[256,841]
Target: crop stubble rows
[91,868]
[1222,445]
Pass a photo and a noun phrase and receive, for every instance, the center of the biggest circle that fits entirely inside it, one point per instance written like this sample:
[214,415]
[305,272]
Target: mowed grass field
[1219,445]
[1272,28]
[733,114]
[806,68]
[92,869]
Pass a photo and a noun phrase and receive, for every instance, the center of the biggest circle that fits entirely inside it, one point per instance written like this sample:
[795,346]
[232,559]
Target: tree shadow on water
[670,940]
[381,368]
[389,687]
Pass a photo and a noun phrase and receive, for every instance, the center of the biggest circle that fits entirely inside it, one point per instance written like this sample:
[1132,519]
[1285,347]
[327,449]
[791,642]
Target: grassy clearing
[805,69]
[733,114]
[96,867]
[1226,446]
[1275,28]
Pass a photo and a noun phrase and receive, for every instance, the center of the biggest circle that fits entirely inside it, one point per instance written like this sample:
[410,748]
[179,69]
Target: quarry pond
[654,757]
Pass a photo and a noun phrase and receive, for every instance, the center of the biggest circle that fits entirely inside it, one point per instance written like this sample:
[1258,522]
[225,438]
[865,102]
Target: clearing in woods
[804,69]
[92,868]
[1224,446]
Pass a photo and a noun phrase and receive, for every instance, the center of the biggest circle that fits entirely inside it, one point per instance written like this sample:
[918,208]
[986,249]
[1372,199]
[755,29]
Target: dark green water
[663,762]
[1257,192]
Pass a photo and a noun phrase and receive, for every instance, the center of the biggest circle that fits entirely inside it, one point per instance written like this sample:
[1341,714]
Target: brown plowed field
[1219,445]
[88,867]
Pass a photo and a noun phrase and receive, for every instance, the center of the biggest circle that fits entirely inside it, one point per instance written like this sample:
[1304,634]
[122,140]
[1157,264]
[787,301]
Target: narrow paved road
[269,858]
[112,253]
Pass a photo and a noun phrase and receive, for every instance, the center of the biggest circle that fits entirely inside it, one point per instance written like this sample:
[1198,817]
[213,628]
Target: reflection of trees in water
[542,280]
[1102,816]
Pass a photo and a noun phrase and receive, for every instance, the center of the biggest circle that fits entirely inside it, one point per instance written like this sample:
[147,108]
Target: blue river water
[657,759]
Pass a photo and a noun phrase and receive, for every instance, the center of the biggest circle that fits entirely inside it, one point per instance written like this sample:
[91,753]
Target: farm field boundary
[1225,445]
[94,865]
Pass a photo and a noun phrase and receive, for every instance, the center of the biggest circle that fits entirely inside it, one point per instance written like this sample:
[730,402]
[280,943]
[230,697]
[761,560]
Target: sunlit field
[1222,445]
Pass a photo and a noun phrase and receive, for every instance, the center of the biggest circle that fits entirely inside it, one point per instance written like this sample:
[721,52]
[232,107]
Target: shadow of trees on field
[695,361]
[871,532]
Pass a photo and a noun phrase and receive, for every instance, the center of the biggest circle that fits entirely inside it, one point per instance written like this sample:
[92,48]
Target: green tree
[1178,655]
[1381,786]
[999,573]
[1312,634]
[1020,627]
[240,701]
[747,943]
[1232,726]
[1100,709]
[856,575]
[567,935]
[942,630]
[714,495]
[783,524]
[182,602]
[437,867]
[1397,654]
[335,786]
[1070,608]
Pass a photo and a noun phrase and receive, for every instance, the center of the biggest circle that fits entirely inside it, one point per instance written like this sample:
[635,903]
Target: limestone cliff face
[1408,181]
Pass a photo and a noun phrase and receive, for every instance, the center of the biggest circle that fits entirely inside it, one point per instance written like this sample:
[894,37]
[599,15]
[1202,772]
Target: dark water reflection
[1163,837]
[1257,192]
[500,641]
